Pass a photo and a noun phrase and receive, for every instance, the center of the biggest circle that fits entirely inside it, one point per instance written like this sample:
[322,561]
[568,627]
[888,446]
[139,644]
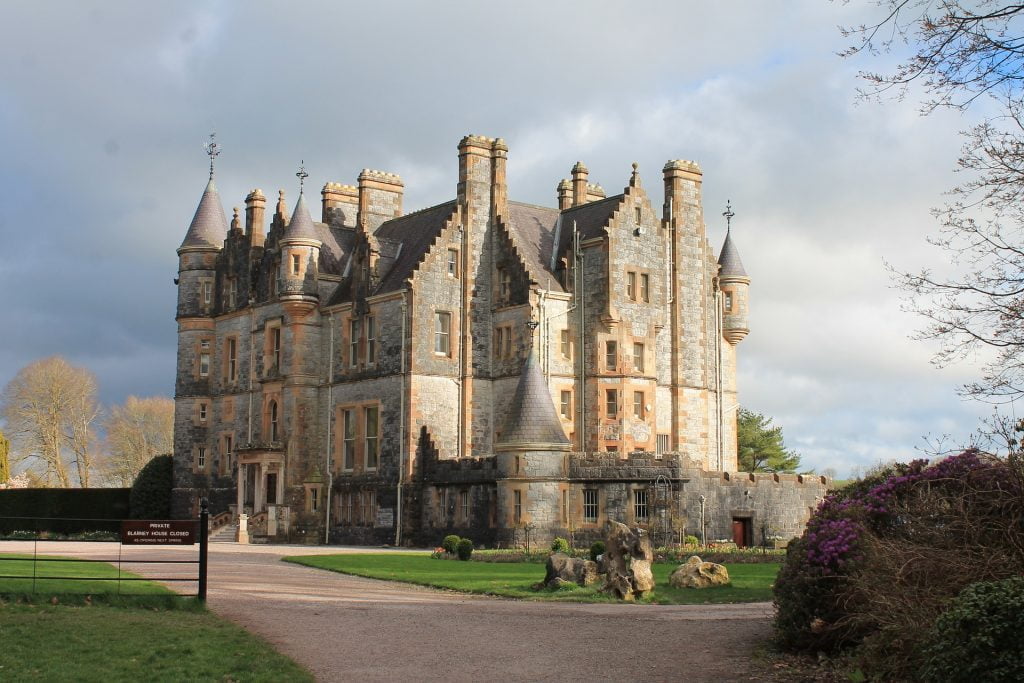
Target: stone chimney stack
[499,184]
[564,191]
[340,204]
[255,207]
[475,176]
[579,184]
[380,198]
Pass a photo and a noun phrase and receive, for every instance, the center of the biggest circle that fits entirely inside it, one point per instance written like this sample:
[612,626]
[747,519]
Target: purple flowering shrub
[874,559]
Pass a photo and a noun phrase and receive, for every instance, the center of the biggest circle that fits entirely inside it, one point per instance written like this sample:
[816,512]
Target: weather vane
[212,150]
[302,175]
[728,213]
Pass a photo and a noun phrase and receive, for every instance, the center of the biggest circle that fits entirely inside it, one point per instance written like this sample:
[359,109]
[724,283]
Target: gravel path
[346,628]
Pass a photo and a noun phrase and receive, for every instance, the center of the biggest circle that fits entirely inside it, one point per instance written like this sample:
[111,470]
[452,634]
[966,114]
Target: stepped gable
[532,229]
[729,261]
[591,219]
[209,225]
[532,422]
[416,232]
[301,226]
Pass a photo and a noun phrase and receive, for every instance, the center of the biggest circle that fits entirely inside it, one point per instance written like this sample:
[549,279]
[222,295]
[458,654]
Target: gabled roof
[209,225]
[301,225]
[416,232]
[729,260]
[532,422]
[533,234]
[590,220]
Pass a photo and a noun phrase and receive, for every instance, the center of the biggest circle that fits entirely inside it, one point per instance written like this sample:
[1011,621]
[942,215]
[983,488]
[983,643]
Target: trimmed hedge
[78,509]
[151,493]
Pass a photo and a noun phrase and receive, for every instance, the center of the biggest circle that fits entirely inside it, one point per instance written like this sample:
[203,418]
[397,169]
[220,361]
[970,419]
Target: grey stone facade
[482,367]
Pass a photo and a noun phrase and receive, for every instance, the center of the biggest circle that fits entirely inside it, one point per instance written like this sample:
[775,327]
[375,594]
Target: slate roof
[209,226]
[301,226]
[591,218]
[729,260]
[533,233]
[416,231]
[336,247]
[532,419]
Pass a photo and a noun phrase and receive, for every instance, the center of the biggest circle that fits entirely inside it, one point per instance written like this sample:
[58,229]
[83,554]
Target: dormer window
[232,292]
[504,284]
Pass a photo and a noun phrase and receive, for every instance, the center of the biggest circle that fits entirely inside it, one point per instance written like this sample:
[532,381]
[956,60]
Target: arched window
[273,420]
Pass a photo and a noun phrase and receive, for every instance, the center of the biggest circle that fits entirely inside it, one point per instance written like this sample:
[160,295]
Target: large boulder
[561,569]
[627,561]
[695,573]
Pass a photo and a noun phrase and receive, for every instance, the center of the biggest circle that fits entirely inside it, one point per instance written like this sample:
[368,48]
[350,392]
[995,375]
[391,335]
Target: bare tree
[959,52]
[50,407]
[136,432]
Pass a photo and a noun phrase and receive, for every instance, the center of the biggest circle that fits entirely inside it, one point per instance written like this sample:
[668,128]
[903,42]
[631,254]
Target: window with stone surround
[639,216]
[346,507]
[611,402]
[590,505]
[640,510]
[504,285]
[566,344]
[204,358]
[369,513]
[348,448]
[201,457]
[453,262]
[638,357]
[517,506]
[727,302]
[645,288]
[296,263]
[206,289]
[272,410]
[442,505]
[275,346]
[499,341]
[314,499]
[371,340]
[353,342]
[464,506]
[203,410]
[663,444]
[639,409]
[442,332]
[232,292]
[611,352]
[631,285]
[228,454]
[231,359]
[566,404]
[371,437]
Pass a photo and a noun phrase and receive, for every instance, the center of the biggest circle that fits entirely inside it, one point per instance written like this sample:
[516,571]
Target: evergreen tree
[761,447]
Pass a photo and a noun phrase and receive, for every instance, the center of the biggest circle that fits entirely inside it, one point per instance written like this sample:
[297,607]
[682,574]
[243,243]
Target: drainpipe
[401,428]
[580,304]
[718,374]
[327,449]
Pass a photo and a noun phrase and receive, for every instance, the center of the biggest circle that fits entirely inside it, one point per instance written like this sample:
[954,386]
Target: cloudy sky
[104,107]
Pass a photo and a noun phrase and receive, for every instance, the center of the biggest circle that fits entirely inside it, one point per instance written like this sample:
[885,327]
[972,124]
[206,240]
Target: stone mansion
[482,367]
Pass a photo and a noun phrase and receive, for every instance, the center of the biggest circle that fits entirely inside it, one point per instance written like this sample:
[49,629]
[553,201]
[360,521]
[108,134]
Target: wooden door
[741,532]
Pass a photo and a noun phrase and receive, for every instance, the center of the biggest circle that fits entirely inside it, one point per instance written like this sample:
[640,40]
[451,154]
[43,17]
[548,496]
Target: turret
[735,286]
[300,255]
[197,253]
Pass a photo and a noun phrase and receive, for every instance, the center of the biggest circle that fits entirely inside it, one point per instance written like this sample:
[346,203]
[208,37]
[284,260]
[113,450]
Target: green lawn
[750,582]
[149,635]
[82,579]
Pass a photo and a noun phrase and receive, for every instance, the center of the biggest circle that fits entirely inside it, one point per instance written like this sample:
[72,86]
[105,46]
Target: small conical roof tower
[532,423]
[735,285]
[209,226]
[301,227]
[729,260]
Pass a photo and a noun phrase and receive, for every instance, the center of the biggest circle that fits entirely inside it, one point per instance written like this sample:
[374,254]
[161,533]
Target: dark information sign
[158,532]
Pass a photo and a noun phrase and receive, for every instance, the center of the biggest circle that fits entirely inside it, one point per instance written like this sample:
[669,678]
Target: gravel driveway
[346,628]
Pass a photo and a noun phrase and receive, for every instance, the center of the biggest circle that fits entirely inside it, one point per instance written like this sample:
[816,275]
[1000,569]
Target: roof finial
[212,150]
[728,213]
[302,175]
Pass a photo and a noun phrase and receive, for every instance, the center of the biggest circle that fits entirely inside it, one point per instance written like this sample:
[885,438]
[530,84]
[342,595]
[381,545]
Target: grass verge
[750,582]
[151,634]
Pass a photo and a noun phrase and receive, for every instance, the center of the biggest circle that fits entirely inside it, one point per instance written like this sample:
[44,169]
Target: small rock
[695,573]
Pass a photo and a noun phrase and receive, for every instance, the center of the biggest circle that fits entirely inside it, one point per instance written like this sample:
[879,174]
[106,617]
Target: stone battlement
[380,177]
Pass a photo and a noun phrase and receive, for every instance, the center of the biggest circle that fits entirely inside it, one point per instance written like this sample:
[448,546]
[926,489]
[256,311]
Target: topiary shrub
[451,544]
[559,545]
[691,541]
[150,497]
[596,548]
[978,638]
[465,549]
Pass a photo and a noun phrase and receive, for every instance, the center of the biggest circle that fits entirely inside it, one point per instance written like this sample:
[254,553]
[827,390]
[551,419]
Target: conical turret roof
[209,226]
[729,260]
[301,226]
[532,421]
